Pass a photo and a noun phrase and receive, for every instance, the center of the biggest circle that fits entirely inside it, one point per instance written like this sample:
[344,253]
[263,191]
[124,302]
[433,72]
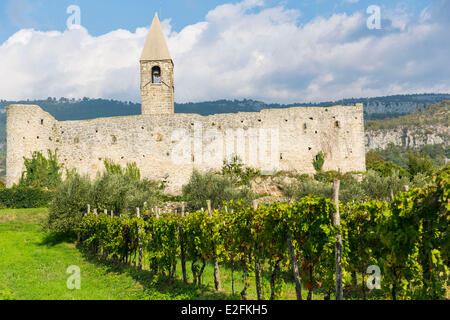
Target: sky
[274,51]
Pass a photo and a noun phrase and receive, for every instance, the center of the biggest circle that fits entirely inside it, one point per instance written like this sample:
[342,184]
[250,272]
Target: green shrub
[318,161]
[122,194]
[374,186]
[307,186]
[69,204]
[236,170]
[421,180]
[214,187]
[328,176]
[41,172]
[116,189]
[351,190]
[420,164]
[19,197]
[386,168]
[378,187]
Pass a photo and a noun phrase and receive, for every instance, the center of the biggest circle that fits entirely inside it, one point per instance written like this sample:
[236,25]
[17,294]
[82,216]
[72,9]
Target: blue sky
[102,16]
[275,51]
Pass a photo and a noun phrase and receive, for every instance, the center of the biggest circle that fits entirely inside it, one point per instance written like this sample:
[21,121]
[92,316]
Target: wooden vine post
[216,261]
[294,265]
[257,262]
[183,253]
[138,213]
[85,214]
[338,252]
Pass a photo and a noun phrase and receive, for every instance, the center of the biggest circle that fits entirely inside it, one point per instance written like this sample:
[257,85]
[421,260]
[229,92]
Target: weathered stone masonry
[150,140]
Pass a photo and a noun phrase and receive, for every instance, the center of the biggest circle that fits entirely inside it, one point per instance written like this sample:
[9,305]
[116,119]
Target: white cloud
[242,50]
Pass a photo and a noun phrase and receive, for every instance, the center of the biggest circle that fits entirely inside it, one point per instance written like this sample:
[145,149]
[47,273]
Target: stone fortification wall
[169,147]
[28,129]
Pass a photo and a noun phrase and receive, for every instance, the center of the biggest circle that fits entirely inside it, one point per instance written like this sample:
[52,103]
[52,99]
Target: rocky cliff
[407,137]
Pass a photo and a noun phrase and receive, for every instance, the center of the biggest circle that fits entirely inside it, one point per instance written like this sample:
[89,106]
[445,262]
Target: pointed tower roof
[155,46]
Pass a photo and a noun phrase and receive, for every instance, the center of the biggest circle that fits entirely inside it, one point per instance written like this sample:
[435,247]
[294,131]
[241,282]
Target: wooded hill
[434,115]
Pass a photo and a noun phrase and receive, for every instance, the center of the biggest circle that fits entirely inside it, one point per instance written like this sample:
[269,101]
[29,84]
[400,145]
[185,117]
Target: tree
[41,172]
[419,164]
[214,187]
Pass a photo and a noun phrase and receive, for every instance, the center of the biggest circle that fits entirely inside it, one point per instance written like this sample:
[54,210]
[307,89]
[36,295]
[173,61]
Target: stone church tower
[157,84]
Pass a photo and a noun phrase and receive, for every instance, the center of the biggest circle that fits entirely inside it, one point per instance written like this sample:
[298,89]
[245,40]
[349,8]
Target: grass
[33,266]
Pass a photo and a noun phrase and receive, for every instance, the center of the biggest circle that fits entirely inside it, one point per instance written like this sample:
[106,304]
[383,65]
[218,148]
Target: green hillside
[435,115]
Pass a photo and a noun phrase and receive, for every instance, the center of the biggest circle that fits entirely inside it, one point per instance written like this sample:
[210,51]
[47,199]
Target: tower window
[156,75]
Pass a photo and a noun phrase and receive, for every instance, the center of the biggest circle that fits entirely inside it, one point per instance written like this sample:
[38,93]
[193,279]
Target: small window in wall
[42,122]
[281,156]
[305,126]
[337,124]
[156,75]
[113,139]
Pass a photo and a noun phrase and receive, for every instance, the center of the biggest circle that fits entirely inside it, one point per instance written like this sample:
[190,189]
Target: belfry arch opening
[156,75]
